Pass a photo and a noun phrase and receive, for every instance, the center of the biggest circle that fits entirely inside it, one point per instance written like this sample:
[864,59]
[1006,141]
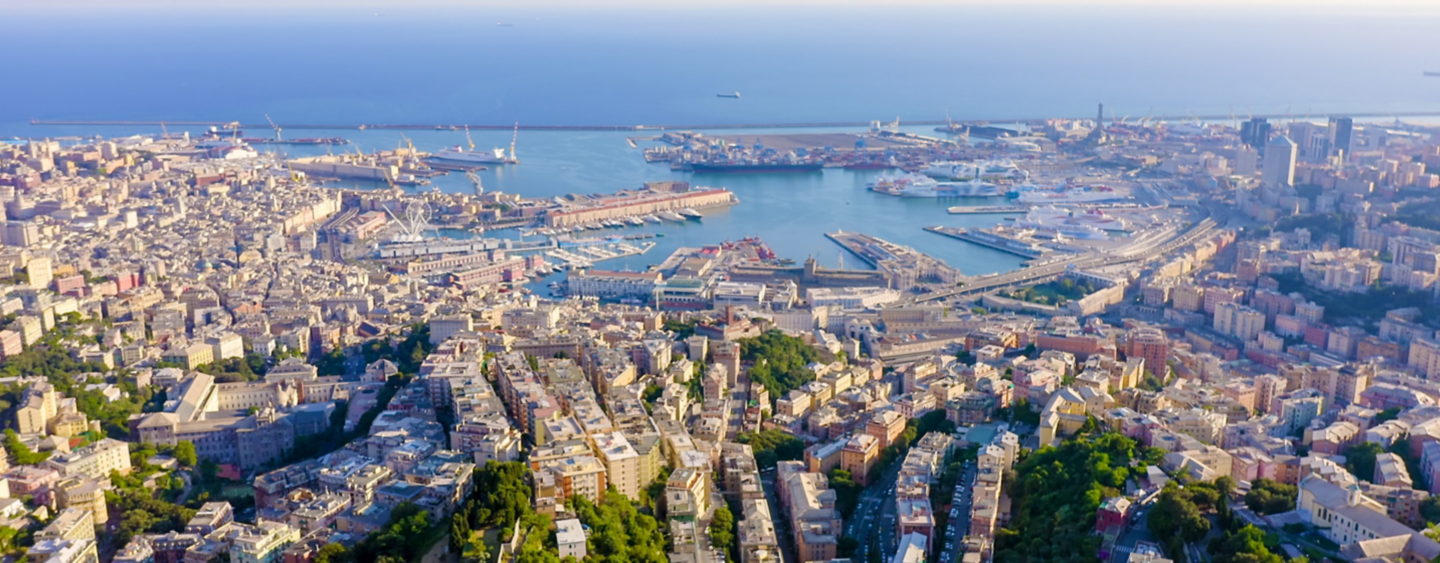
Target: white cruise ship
[1089,194]
[989,170]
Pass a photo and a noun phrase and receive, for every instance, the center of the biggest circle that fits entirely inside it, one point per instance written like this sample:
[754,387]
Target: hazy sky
[50,6]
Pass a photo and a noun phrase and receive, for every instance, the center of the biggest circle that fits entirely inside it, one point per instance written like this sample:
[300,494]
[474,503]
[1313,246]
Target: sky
[74,6]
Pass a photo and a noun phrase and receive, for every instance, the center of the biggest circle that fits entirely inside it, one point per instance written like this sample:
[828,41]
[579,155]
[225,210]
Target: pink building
[34,481]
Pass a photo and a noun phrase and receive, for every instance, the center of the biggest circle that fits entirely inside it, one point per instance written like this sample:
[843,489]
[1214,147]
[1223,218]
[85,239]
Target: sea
[662,65]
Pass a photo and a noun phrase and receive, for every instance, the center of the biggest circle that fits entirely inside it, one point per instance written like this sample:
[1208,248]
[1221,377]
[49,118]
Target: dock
[988,209]
[903,266]
[587,256]
[992,240]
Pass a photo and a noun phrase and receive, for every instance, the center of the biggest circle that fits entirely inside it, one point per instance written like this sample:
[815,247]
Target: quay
[987,209]
[904,267]
[992,240]
[512,126]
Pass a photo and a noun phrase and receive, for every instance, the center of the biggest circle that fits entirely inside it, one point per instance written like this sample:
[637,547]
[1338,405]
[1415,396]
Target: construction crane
[469,140]
[513,138]
[164,133]
[475,179]
[275,127]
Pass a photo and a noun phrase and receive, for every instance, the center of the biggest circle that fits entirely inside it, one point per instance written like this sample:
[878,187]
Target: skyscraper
[1279,170]
[1255,133]
[1342,135]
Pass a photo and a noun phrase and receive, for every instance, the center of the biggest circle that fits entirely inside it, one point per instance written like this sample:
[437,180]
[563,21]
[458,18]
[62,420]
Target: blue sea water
[583,66]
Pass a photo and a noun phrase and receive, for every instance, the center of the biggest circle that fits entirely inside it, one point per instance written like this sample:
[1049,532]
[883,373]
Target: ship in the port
[988,170]
[735,95]
[1091,224]
[921,186]
[471,156]
[742,167]
[1071,194]
[1432,73]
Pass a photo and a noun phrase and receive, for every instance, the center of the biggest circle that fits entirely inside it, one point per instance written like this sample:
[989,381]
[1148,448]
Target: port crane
[475,179]
[275,127]
[467,137]
[513,137]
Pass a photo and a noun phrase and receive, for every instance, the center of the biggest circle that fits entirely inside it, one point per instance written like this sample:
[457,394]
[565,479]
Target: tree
[771,446]
[1270,497]
[722,532]
[1246,545]
[847,491]
[778,362]
[333,553]
[185,453]
[22,454]
[1360,459]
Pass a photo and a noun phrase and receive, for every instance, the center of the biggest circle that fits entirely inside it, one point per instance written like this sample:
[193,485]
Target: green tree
[722,532]
[333,553]
[1270,497]
[779,362]
[1246,545]
[185,453]
[847,491]
[771,446]
[21,453]
[1360,459]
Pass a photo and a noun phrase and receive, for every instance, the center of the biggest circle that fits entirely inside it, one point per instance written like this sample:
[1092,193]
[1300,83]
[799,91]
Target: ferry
[919,186]
[494,156]
[982,170]
[1081,194]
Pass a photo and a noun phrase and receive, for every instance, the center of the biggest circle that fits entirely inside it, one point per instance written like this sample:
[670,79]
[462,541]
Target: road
[876,501]
[777,517]
[959,525]
[1143,248]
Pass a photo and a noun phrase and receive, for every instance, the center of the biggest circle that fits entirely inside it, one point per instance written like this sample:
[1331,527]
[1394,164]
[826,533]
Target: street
[959,524]
[877,505]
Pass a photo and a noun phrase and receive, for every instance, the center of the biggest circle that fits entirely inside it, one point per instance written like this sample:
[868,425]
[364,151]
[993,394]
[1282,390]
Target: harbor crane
[275,127]
[513,137]
[475,179]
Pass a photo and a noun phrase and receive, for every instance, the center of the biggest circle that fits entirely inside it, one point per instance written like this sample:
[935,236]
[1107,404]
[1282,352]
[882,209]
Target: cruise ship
[1083,194]
[990,170]
[1080,224]
[917,185]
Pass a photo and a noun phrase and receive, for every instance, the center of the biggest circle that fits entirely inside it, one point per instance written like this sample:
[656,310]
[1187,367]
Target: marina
[586,256]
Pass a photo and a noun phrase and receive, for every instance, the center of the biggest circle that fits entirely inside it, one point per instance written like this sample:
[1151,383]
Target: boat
[689,213]
[1081,224]
[884,165]
[734,95]
[653,219]
[494,156]
[635,221]
[1086,194]
[1432,73]
[672,216]
[918,185]
[750,168]
[1004,169]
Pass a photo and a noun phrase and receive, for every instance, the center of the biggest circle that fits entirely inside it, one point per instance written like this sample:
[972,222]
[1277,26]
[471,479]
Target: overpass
[1045,272]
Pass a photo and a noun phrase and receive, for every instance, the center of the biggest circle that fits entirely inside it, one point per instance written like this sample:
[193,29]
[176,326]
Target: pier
[991,240]
[988,210]
[903,266]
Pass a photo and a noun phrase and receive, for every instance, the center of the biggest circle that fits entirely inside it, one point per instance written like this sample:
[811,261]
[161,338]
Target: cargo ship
[735,95]
[754,168]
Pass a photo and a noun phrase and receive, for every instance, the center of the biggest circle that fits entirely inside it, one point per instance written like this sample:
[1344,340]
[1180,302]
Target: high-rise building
[1255,133]
[1279,170]
[1342,136]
